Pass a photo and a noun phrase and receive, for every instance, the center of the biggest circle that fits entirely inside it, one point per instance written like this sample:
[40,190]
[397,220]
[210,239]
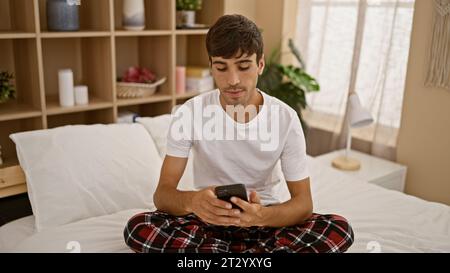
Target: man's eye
[221,69]
[243,68]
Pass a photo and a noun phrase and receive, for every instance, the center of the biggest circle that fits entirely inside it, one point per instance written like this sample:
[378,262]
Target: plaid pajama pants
[160,232]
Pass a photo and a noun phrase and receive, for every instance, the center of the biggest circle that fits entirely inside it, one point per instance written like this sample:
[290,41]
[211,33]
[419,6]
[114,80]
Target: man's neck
[256,101]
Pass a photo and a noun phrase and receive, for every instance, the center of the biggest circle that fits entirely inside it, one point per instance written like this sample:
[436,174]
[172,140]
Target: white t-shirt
[227,152]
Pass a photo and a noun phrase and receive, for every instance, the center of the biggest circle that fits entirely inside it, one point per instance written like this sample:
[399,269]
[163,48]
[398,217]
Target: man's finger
[220,220]
[219,211]
[241,203]
[220,203]
[254,198]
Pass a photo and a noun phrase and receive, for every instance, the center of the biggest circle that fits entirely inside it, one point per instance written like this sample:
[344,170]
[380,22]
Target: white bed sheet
[97,234]
[15,232]
[383,220]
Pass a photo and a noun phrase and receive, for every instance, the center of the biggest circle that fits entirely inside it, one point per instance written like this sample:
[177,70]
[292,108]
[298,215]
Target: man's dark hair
[232,34]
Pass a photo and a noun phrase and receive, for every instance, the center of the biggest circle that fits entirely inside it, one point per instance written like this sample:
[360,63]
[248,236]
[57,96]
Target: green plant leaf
[287,82]
[7,89]
[189,5]
[296,53]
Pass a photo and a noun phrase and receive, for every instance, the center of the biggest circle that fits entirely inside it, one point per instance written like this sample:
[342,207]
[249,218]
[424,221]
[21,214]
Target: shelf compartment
[211,10]
[19,57]
[149,109]
[102,116]
[9,127]
[191,50]
[157,14]
[17,16]
[90,60]
[94,15]
[9,162]
[152,52]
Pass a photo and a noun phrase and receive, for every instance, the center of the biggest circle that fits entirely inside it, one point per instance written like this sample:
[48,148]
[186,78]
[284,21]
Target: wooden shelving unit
[97,54]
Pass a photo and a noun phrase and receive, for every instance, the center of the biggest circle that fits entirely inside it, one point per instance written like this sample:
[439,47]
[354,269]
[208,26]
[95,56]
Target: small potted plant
[186,12]
[7,89]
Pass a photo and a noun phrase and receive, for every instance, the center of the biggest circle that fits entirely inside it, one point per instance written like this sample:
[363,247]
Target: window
[360,45]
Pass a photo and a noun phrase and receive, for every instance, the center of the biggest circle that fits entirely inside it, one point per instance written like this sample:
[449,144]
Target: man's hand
[252,214]
[210,209]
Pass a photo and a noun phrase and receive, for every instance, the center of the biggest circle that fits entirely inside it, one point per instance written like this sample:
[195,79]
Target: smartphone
[226,192]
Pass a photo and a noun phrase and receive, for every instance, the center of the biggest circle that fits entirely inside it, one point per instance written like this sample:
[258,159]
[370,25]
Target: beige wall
[243,7]
[267,14]
[424,139]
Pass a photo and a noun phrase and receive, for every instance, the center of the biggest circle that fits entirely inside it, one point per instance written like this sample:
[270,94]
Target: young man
[197,221]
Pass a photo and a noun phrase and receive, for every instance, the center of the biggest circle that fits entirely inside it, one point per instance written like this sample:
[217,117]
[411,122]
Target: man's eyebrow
[219,62]
[237,62]
[244,61]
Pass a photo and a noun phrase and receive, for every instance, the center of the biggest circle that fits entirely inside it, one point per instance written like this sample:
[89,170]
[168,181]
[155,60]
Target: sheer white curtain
[357,46]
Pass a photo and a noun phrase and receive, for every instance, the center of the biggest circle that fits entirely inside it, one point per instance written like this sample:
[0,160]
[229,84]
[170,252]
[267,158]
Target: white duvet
[383,221]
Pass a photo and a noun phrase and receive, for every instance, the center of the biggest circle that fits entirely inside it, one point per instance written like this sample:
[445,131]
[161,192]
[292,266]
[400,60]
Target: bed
[383,220]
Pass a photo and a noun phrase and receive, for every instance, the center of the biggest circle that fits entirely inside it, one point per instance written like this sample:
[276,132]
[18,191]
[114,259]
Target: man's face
[237,77]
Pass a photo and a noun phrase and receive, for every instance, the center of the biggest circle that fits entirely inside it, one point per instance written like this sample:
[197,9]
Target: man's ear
[261,65]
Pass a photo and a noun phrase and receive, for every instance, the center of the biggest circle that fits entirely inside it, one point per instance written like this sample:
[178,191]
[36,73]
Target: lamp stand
[346,163]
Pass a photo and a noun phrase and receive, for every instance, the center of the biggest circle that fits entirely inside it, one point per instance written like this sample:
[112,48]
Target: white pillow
[82,171]
[158,128]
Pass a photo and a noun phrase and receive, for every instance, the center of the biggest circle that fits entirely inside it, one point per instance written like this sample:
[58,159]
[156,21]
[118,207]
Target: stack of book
[198,79]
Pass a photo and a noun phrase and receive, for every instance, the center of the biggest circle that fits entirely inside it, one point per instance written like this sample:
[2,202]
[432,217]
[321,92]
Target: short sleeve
[293,157]
[179,136]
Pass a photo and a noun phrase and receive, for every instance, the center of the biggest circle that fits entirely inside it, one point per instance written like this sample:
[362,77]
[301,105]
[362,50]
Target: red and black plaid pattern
[160,232]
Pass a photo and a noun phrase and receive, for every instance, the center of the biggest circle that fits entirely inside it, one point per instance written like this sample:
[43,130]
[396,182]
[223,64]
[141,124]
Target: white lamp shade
[357,115]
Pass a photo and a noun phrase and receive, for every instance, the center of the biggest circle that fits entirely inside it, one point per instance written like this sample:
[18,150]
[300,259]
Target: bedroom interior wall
[424,137]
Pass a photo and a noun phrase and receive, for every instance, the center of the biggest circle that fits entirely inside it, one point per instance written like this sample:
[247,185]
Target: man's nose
[233,79]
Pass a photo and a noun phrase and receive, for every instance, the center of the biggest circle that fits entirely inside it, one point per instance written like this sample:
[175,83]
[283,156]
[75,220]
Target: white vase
[133,14]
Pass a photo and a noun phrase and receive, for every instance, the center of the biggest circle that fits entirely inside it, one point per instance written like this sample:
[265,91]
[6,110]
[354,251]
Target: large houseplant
[288,83]
[186,12]
[7,89]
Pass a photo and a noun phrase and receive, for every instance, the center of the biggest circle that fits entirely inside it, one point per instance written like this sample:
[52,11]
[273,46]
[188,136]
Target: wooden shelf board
[151,99]
[191,31]
[53,107]
[16,35]
[17,111]
[125,33]
[188,95]
[75,34]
